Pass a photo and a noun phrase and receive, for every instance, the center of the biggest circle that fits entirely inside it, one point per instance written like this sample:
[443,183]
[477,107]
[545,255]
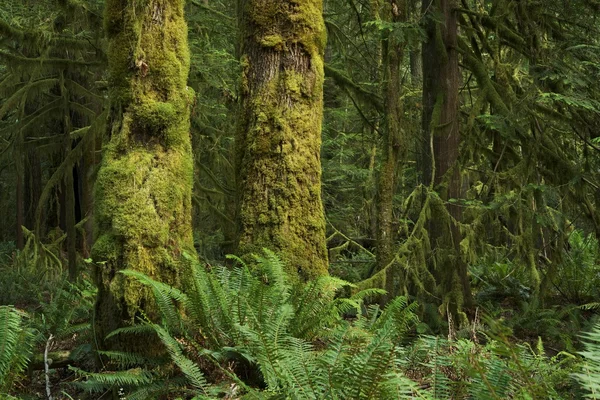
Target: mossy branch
[347,83]
[337,232]
[60,63]
[44,39]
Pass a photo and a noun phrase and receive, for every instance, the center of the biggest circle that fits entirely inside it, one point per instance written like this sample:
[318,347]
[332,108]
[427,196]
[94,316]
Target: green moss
[275,41]
[279,141]
[144,185]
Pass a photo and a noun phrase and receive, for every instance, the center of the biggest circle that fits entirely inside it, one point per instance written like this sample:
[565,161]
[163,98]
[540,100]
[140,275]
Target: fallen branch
[47,368]
[55,359]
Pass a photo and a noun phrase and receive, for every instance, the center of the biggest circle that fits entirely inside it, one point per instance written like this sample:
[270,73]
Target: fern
[589,377]
[187,367]
[16,342]
[102,382]
[254,314]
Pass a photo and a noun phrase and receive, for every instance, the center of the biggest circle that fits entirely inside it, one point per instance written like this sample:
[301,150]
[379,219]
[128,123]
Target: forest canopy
[299,199]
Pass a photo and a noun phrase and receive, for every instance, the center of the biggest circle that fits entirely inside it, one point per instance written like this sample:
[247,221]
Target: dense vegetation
[299,199]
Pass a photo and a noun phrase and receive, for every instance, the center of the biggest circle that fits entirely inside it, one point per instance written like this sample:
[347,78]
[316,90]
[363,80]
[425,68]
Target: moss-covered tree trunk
[394,146]
[144,185]
[20,200]
[441,79]
[278,143]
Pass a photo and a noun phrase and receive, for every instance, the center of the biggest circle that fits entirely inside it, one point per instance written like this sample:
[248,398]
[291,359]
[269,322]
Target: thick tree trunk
[394,147]
[441,79]
[144,185]
[278,143]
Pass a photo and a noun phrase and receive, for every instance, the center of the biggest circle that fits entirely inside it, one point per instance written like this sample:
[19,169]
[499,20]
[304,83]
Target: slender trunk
[33,186]
[278,143]
[441,79]
[68,188]
[394,147]
[87,165]
[20,201]
[144,185]
[70,226]
[416,68]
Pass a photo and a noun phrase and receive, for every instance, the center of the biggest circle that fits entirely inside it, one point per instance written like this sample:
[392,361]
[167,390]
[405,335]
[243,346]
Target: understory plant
[589,377]
[16,345]
[247,332]
[268,337]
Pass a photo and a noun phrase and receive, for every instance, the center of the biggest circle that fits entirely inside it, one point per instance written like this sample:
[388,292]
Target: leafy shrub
[578,276]
[501,281]
[32,274]
[499,369]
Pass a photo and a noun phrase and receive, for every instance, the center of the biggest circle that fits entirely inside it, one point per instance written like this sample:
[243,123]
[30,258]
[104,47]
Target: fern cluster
[247,332]
[589,377]
[16,342]
[306,342]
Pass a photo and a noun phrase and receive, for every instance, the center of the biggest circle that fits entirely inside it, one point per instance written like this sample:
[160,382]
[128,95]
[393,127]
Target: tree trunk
[278,143]
[441,79]
[394,147]
[416,69]
[33,186]
[68,187]
[20,199]
[144,185]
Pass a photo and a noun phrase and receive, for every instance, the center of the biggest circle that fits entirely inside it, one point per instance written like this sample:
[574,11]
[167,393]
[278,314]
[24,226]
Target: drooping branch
[347,83]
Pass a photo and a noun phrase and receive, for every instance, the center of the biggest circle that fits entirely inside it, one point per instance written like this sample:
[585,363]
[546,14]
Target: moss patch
[144,185]
[279,139]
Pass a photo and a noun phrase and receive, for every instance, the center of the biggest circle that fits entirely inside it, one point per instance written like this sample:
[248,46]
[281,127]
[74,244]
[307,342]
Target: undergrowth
[246,332]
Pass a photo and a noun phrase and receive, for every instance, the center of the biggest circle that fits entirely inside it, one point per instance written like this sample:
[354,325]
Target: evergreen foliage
[515,213]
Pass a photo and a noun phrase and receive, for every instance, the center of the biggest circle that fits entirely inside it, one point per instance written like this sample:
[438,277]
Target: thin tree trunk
[70,225]
[279,138]
[441,79]
[20,201]
[33,186]
[68,188]
[394,147]
[144,185]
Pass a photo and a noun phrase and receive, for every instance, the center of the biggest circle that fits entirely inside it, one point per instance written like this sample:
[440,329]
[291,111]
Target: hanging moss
[144,185]
[279,138]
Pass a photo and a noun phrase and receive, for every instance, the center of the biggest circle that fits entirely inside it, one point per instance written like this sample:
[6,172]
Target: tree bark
[20,201]
[441,79]
[33,186]
[278,164]
[144,184]
[394,147]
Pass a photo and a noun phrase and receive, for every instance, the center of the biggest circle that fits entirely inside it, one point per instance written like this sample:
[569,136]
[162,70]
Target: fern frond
[125,360]
[16,343]
[187,367]
[100,382]
[164,295]
[316,308]
[590,375]
[400,313]
[140,330]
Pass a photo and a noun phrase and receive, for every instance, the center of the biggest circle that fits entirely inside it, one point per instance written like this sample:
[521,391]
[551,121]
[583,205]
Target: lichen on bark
[279,137]
[144,184]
